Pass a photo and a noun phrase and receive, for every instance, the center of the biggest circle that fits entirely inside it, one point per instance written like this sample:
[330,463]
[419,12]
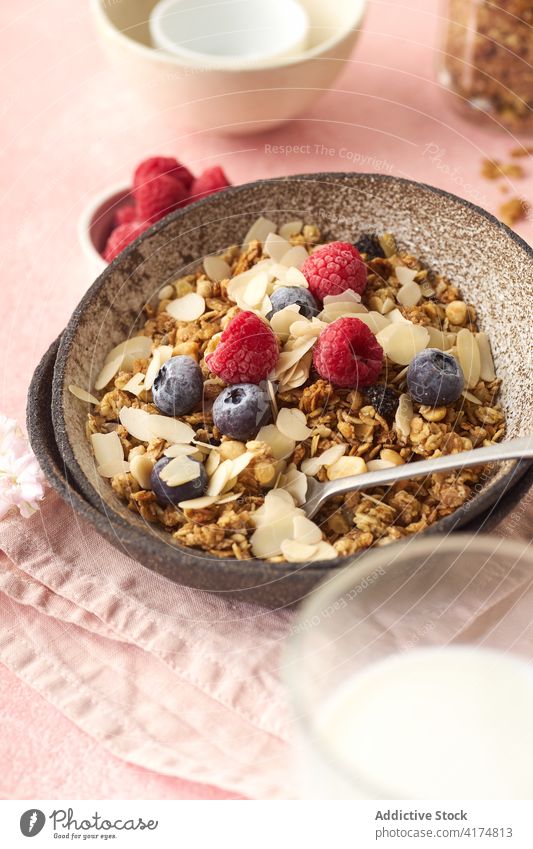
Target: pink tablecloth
[69,131]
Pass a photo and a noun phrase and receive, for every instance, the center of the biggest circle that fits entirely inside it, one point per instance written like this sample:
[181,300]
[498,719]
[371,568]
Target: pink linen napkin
[175,680]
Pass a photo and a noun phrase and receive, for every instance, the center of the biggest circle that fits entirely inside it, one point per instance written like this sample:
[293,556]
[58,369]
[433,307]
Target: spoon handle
[512,450]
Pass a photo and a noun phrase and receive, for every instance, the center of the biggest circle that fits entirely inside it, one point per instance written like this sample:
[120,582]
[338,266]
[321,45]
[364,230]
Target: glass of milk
[411,674]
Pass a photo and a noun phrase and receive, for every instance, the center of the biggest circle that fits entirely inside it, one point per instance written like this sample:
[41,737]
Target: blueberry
[178,387]
[240,410]
[287,295]
[369,244]
[166,494]
[435,378]
[383,399]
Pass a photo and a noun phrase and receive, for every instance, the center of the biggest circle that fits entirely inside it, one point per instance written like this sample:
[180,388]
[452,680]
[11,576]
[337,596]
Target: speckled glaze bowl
[493,267]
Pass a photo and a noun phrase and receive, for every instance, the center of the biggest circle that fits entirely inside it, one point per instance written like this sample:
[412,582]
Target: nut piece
[469,358]
[231,449]
[456,312]
[392,457]
[346,467]
[141,468]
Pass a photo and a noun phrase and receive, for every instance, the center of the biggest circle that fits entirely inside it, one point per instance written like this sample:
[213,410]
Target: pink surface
[69,131]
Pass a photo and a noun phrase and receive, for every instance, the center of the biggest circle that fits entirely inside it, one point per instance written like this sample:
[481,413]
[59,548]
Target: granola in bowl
[288,358]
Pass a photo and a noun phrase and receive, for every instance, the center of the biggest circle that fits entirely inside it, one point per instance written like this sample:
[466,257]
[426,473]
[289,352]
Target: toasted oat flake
[293,423]
[180,470]
[469,357]
[346,467]
[260,230]
[187,308]
[141,468]
[107,449]
[291,228]
[216,268]
[82,394]
[135,385]
[401,342]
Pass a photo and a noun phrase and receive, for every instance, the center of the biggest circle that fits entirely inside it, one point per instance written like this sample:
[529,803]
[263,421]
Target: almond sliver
[159,357]
[345,467]
[187,308]
[135,384]
[107,448]
[180,470]
[291,228]
[240,463]
[179,450]
[487,364]
[280,445]
[276,246]
[295,256]
[404,275]
[82,394]
[108,372]
[306,530]
[294,277]
[409,295]
[297,552]
[282,320]
[136,423]
[198,503]
[172,430]
[141,468]
[260,230]
[293,424]
[216,268]
[221,476]
[116,467]
[255,290]
[402,341]
[139,346]
[469,357]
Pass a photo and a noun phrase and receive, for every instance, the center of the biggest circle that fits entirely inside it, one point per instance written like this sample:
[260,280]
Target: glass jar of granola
[486,58]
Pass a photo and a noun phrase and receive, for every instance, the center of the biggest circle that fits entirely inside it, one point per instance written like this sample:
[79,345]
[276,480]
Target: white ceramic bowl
[230,100]
[230,33]
[95,224]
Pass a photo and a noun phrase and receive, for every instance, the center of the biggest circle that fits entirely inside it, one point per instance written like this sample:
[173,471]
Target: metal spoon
[318,493]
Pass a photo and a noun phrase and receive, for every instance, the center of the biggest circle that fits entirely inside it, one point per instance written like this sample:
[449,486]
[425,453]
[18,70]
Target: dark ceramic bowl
[493,267]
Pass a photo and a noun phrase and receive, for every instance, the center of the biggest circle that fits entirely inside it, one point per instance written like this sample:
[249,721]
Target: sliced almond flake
[306,530]
[400,377]
[401,342]
[303,328]
[108,372]
[180,470]
[135,385]
[221,476]
[167,293]
[267,538]
[276,246]
[169,429]
[255,289]
[324,551]
[212,463]
[260,230]
[295,256]
[229,486]
[187,308]
[348,296]
[374,321]
[240,463]
[397,316]
[347,308]
[391,457]
[107,448]
[379,465]
[298,378]
[136,423]
[266,306]
[272,395]
[405,275]
[140,346]
[200,503]
[216,268]
[291,228]
[287,359]
[230,496]
[294,277]
[293,423]
[205,446]
[141,468]
[387,306]
[313,465]
[275,508]
[438,339]
[297,552]
[282,320]
[404,415]
[470,397]
[346,467]
[114,467]
[487,364]
[82,394]
[159,357]
[409,295]
[279,273]
[295,483]
[469,357]
[279,444]
[180,450]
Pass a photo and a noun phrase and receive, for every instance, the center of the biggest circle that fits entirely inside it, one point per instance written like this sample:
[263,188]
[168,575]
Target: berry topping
[347,354]
[157,165]
[158,197]
[384,400]
[178,386]
[333,269]
[241,410]
[435,378]
[247,350]
[287,295]
[211,180]
[194,487]
[370,245]
[120,237]
[125,214]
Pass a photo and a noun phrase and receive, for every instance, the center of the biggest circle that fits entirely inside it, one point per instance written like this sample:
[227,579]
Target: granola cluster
[342,422]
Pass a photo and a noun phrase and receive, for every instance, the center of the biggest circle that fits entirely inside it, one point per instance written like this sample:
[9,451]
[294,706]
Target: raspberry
[120,237]
[334,268]
[348,354]
[157,165]
[158,197]
[247,351]
[125,214]
[209,182]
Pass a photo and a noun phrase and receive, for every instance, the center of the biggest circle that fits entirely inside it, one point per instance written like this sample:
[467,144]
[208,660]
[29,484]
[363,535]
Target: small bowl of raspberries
[117,216]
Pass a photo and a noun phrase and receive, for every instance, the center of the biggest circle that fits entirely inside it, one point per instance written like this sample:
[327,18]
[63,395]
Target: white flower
[21,480]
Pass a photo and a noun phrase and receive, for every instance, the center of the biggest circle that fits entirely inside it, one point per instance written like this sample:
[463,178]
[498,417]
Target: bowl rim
[479,504]
[360,9]
[86,216]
